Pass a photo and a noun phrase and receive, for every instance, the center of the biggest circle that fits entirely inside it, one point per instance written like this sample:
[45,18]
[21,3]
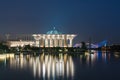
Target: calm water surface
[97,66]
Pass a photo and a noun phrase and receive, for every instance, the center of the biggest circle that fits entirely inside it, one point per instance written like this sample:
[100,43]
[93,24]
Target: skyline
[96,19]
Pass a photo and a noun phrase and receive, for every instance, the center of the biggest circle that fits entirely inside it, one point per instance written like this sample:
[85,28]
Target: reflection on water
[54,66]
[92,59]
[43,65]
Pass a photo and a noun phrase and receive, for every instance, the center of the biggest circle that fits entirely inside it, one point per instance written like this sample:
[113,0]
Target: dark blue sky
[98,19]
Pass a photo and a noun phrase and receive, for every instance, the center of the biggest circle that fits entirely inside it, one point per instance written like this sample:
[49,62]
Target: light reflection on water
[44,65]
[91,59]
[54,66]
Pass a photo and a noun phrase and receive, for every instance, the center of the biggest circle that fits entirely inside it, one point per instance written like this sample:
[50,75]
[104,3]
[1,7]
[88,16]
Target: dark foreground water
[97,66]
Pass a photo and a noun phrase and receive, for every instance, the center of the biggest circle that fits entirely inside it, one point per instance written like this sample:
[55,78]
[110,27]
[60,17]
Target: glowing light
[45,65]
[67,69]
[43,70]
[34,69]
[39,69]
[2,56]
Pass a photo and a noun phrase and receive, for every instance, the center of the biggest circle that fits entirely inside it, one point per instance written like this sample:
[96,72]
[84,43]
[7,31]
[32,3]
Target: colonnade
[53,40]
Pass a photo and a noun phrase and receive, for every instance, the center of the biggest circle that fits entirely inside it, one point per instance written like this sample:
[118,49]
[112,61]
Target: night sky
[95,19]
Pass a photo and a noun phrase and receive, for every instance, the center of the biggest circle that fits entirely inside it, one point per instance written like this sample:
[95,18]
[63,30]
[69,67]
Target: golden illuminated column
[42,41]
[48,39]
[65,41]
[39,45]
[36,43]
[51,43]
[71,40]
[55,42]
[71,37]
[60,42]
[46,42]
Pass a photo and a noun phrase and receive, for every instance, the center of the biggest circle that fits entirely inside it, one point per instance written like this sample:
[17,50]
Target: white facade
[53,40]
[20,43]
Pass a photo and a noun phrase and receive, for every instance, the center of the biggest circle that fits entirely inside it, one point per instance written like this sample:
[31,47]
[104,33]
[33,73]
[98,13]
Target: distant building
[20,43]
[52,38]
[21,40]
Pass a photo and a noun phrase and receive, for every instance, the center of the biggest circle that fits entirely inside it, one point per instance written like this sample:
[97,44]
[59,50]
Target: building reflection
[97,56]
[45,66]
[61,66]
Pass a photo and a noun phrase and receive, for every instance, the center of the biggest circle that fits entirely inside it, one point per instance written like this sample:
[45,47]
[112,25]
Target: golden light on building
[52,38]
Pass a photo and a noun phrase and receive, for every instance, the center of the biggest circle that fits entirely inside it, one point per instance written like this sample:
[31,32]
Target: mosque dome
[54,31]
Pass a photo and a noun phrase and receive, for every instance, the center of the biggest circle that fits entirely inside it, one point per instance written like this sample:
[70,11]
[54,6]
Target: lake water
[97,66]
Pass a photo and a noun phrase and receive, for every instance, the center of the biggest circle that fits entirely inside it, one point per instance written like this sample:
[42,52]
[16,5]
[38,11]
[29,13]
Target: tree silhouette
[83,46]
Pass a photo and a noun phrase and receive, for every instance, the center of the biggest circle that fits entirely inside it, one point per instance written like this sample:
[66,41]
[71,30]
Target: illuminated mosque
[52,38]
